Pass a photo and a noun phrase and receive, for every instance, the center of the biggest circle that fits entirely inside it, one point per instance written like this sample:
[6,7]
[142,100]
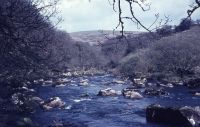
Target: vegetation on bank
[171,53]
[32,47]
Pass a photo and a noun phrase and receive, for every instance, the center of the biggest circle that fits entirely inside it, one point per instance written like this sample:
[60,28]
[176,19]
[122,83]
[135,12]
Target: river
[98,111]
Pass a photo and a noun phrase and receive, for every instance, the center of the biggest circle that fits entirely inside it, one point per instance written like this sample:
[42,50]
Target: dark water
[96,111]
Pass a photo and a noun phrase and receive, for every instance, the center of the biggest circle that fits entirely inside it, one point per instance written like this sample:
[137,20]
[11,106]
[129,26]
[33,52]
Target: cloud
[82,15]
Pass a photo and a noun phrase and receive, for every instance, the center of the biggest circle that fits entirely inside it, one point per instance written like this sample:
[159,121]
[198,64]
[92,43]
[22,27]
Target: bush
[165,30]
[185,24]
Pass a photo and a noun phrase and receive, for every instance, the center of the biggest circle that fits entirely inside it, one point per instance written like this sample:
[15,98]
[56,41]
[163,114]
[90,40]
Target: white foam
[79,100]
[68,107]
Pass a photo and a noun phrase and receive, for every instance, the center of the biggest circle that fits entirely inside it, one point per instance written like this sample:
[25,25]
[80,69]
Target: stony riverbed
[83,108]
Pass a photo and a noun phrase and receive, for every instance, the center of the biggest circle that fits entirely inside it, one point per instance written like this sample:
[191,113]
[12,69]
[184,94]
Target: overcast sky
[82,15]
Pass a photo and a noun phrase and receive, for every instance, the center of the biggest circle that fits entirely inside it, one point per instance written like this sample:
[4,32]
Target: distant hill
[96,36]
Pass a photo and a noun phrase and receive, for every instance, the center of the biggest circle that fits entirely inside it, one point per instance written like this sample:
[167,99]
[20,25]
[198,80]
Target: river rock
[54,102]
[140,81]
[197,94]
[17,98]
[108,92]
[68,74]
[131,94]
[84,82]
[181,117]
[155,91]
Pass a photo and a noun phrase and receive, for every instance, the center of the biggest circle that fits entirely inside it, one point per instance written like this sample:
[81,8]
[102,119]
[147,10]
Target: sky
[82,15]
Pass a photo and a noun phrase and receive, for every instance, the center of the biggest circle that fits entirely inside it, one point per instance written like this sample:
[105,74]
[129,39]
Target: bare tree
[145,6]
[194,7]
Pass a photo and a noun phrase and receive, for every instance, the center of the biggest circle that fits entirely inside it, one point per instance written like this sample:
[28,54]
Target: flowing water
[98,111]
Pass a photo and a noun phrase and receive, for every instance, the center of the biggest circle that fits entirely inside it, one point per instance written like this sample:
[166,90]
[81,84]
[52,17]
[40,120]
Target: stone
[183,117]
[197,94]
[131,94]
[108,92]
[54,102]
[68,74]
[140,81]
[84,82]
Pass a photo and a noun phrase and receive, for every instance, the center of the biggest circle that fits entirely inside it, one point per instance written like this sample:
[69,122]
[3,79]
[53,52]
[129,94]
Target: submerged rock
[182,117]
[18,121]
[155,91]
[108,92]
[131,94]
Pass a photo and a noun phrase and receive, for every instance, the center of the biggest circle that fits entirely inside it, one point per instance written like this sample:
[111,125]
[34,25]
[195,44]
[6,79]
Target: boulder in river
[54,102]
[108,92]
[131,94]
[155,91]
[181,117]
